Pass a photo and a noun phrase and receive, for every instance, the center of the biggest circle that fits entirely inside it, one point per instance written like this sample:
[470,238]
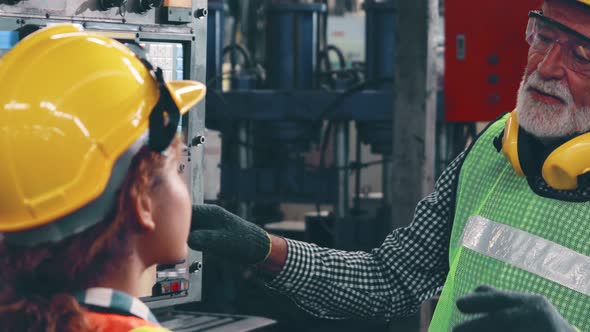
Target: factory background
[309,128]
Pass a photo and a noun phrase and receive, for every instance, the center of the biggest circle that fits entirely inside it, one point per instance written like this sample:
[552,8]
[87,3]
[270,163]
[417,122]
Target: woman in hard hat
[90,194]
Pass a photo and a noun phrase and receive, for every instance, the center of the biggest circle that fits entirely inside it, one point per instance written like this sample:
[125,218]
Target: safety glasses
[543,34]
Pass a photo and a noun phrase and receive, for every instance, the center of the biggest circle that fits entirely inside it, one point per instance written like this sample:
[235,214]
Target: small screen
[7,40]
[169,57]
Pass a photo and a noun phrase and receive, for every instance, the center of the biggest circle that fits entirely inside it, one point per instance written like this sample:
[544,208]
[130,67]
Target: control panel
[168,56]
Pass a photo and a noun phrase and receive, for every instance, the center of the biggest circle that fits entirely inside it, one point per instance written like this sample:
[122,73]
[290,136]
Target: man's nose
[552,67]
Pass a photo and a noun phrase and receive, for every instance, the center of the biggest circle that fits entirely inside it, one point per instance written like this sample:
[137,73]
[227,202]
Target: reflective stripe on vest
[529,252]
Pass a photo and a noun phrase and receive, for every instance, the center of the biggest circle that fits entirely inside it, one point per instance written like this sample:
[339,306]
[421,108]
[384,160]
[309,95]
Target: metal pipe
[357,178]
[243,161]
[215,23]
[341,144]
[300,22]
[386,178]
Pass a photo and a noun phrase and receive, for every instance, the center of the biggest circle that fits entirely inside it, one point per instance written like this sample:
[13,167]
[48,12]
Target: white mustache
[547,120]
[554,88]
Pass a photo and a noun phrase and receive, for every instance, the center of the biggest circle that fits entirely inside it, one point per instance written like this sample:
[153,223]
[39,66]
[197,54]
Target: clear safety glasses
[543,34]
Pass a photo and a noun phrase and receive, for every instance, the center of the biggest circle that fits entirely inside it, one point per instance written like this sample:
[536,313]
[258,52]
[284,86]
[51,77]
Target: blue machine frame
[291,108]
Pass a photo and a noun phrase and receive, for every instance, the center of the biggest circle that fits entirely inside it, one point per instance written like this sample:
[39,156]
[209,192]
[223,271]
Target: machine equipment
[270,123]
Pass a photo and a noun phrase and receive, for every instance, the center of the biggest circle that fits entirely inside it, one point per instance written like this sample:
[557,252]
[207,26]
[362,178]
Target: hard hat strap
[163,128]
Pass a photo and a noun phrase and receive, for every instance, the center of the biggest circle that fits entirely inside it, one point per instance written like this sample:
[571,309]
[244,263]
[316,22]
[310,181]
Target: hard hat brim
[186,94]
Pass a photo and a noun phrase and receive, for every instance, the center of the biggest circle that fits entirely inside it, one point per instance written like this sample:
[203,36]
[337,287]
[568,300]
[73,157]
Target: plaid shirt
[393,280]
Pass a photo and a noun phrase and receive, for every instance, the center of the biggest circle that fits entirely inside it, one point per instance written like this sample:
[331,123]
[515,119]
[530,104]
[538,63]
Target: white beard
[550,121]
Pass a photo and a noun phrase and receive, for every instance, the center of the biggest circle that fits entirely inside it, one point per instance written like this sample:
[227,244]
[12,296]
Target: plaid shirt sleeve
[391,281]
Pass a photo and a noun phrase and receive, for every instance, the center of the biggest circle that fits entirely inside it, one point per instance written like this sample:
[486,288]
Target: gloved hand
[509,311]
[224,234]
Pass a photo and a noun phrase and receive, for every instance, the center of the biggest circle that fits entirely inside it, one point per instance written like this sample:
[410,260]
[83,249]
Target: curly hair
[35,283]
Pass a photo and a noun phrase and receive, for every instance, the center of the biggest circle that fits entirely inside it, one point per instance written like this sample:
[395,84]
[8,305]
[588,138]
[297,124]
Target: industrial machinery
[272,118]
[173,32]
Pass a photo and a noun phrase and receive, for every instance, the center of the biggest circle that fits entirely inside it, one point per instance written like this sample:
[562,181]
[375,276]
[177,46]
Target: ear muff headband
[563,169]
[510,143]
[566,167]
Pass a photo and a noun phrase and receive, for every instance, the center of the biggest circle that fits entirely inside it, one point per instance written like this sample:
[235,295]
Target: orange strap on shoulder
[103,322]
[150,329]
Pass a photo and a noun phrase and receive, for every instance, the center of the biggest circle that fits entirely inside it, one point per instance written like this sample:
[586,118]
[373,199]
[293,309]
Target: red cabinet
[485,56]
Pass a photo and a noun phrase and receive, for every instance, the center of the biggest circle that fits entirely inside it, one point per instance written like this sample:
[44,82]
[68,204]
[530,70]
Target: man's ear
[143,208]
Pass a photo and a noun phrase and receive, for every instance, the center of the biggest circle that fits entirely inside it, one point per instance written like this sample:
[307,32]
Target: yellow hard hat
[587,2]
[71,104]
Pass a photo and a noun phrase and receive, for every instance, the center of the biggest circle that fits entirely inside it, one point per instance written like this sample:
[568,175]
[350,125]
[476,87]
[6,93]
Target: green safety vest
[506,236]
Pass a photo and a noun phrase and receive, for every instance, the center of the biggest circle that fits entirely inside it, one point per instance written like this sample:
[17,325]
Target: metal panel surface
[485,55]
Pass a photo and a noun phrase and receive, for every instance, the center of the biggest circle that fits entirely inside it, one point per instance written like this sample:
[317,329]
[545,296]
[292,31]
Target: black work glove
[224,234]
[509,311]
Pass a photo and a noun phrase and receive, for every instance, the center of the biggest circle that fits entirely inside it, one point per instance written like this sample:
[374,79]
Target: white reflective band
[529,252]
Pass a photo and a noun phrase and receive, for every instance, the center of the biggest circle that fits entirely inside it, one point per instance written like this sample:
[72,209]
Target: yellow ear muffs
[510,143]
[563,166]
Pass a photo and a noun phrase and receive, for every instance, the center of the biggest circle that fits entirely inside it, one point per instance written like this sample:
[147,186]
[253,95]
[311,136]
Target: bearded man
[505,234]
